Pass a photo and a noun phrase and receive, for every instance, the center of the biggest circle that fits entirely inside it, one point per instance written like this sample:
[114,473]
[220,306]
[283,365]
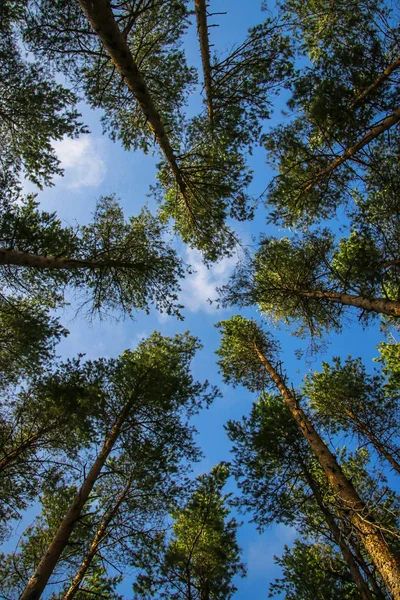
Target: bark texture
[380,79]
[26,259]
[355,572]
[98,538]
[101,18]
[368,532]
[39,579]
[378,305]
[202,30]
[372,134]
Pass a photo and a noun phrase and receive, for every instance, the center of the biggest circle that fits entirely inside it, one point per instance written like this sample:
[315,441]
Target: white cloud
[200,287]
[81,160]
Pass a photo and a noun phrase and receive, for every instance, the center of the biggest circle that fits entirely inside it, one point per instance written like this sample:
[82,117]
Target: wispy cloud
[82,161]
[200,287]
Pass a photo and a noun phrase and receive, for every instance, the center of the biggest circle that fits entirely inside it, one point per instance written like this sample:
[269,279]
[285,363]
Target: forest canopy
[235,167]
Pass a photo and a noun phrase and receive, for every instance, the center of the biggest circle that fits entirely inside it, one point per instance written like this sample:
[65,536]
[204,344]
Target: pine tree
[281,481]
[115,264]
[201,556]
[145,394]
[312,281]
[347,399]
[247,356]
[34,109]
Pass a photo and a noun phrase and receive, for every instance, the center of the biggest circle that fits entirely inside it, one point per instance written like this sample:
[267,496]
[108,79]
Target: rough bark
[101,18]
[26,259]
[371,135]
[380,79]
[378,305]
[202,30]
[355,572]
[39,579]
[374,441]
[378,593]
[98,538]
[368,532]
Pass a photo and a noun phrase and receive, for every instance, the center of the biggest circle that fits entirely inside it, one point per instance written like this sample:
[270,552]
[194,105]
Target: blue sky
[95,166]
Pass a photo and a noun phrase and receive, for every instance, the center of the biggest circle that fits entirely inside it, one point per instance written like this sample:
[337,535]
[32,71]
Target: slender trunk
[358,579]
[372,134]
[374,441]
[11,456]
[202,30]
[379,305]
[369,534]
[101,18]
[98,538]
[26,259]
[39,579]
[380,79]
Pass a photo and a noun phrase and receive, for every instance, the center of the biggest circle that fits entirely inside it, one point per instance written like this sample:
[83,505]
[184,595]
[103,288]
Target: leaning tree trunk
[368,532]
[101,18]
[378,81]
[39,579]
[98,538]
[26,259]
[371,135]
[379,305]
[355,572]
[202,30]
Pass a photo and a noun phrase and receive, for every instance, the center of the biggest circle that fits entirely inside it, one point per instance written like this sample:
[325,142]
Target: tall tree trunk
[39,579]
[379,305]
[374,85]
[374,441]
[202,30]
[26,259]
[101,18]
[368,532]
[372,134]
[378,593]
[98,538]
[358,579]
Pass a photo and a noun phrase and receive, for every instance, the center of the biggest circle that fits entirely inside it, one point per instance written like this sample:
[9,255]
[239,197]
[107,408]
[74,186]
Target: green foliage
[28,338]
[153,31]
[73,413]
[244,81]
[115,264]
[346,46]
[202,556]
[390,359]
[347,399]
[17,567]
[269,453]
[313,572]
[239,362]
[215,178]
[212,163]
[46,423]
[34,109]
[290,279]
